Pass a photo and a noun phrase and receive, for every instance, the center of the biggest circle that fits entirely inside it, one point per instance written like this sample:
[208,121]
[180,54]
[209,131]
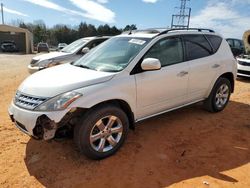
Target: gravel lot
[185,148]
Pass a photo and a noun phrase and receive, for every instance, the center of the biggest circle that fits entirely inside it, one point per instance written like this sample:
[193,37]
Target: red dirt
[185,148]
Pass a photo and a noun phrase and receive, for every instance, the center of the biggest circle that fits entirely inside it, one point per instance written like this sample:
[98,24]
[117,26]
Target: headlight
[45,63]
[59,102]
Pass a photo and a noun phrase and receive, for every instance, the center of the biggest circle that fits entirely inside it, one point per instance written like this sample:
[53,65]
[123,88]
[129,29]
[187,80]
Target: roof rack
[162,31]
[146,31]
[186,29]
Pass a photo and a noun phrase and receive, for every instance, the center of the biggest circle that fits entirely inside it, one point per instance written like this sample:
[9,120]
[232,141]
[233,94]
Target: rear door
[163,89]
[203,67]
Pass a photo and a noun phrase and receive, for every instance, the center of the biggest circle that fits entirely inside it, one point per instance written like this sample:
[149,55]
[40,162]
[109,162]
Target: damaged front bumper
[40,125]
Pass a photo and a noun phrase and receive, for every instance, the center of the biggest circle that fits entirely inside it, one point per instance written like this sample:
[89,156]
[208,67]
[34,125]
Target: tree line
[66,34]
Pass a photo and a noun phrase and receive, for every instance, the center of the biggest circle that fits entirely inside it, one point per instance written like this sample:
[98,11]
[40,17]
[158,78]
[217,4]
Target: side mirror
[85,50]
[150,64]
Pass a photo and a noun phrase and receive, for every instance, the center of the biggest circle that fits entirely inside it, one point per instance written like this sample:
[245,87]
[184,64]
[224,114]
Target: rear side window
[197,46]
[216,41]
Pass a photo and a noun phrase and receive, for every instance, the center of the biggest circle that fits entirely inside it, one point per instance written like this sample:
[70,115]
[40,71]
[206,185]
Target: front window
[74,46]
[113,55]
[169,51]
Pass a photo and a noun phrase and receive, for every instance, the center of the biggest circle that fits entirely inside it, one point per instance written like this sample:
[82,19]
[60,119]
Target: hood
[52,55]
[60,79]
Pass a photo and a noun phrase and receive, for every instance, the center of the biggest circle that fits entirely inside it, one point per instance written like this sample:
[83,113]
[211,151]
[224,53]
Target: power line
[182,19]
[2,13]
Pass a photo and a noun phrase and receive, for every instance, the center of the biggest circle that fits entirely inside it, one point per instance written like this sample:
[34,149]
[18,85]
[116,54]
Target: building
[22,37]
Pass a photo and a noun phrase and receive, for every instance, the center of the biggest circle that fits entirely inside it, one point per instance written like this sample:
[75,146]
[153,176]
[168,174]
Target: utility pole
[182,19]
[2,13]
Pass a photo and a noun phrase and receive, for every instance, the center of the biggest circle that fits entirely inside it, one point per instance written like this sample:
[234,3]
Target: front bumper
[28,121]
[243,70]
[34,69]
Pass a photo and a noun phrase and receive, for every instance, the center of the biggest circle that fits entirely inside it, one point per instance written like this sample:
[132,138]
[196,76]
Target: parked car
[61,46]
[9,46]
[42,47]
[70,53]
[243,65]
[236,46]
[129,78]
[244,59]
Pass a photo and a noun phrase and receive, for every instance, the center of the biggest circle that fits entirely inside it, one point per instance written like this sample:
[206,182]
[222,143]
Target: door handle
[215,66]
[182,73]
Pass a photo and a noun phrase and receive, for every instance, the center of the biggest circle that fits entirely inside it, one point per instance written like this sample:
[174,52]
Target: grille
[244,72]
[28,102]
[244,63]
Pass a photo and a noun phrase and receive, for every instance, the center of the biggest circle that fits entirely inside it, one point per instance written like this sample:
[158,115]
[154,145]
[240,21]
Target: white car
[71,52]
[244,65]
[61,46]
[126,79]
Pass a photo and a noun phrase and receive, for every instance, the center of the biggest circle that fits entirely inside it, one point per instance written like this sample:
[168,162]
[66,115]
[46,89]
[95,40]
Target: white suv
[128,78]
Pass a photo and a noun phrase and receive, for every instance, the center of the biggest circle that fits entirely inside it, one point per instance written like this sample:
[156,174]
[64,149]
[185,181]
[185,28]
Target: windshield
[113,55]
[42,45]
[74,46]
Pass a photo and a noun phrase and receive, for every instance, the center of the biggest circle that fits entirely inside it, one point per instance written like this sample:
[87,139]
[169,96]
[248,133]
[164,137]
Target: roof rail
[146,31]
[185,29]
[162,31]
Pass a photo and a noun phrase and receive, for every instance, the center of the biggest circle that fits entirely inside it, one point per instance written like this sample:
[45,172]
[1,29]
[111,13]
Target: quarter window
[216,41]
[169,51]
[197,47]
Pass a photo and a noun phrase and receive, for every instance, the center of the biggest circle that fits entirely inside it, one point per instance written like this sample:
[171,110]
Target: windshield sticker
[137,41]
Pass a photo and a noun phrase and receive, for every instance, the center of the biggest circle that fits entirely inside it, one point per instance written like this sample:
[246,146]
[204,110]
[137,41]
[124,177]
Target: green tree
[130,27]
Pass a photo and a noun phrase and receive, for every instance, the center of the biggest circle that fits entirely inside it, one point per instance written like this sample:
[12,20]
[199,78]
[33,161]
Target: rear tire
[101,132]
[219,96]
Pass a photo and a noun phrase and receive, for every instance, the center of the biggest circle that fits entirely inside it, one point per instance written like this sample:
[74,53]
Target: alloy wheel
[106,133]
[222,95]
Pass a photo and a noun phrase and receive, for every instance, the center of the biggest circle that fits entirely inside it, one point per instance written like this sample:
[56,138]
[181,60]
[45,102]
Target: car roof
[8,41]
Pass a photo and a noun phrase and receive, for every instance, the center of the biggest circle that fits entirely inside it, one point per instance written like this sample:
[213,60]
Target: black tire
[210,103]
[84,128]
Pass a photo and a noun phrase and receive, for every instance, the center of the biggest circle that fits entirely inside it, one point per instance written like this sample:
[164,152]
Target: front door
[163,89]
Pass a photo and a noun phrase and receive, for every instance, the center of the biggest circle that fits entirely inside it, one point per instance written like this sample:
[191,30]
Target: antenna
[2,13]
[182,19]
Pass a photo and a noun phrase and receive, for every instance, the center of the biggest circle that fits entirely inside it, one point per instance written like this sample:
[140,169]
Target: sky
[227,17]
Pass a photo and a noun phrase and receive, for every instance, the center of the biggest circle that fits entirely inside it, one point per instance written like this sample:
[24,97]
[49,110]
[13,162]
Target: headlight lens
[59,102]
[45,63]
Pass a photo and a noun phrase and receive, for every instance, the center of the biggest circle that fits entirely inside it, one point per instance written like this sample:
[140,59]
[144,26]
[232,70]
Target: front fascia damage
[46,128]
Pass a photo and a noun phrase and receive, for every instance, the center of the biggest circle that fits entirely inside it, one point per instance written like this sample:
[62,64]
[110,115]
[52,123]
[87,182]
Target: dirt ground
[185,148]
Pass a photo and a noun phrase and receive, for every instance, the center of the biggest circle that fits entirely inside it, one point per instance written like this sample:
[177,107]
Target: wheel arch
[124,106]
[230,77]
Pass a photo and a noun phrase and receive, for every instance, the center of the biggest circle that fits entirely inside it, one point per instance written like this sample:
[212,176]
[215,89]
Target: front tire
[101,132]
[219,96]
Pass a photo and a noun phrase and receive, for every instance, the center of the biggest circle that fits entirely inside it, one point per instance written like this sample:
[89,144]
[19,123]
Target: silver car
[70,53]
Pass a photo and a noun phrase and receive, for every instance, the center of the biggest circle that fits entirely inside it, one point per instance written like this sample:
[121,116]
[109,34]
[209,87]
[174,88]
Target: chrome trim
[27,101]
